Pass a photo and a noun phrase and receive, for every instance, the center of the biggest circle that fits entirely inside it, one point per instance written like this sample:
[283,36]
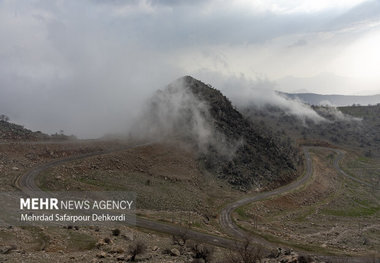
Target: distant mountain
[336,100]
[325,82]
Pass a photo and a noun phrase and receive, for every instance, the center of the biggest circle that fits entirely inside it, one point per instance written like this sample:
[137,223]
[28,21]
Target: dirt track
[26,183]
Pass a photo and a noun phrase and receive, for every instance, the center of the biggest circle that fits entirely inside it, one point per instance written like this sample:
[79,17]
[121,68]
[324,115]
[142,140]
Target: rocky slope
[13,132]
[245,154]
[356,127]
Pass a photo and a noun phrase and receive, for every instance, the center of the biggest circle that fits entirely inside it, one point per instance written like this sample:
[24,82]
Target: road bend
[27,183]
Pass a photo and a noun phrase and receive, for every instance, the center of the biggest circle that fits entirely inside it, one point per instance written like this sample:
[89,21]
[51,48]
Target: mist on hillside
[260,94]
[93,111]
[175,112]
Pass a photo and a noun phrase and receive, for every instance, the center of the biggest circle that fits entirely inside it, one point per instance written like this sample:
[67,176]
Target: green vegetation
[307,218]
[80,241]
[104,185]
[40,239]
[289,243]
[196,225]
[304,213]
[364,168]
[356,128]
[352,212]
[241,211]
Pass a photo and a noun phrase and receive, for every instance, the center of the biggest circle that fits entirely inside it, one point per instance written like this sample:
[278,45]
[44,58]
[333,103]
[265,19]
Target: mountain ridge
[334,99]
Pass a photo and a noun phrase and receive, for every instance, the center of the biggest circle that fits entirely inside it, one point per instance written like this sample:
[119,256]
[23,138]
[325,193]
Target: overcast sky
[87,66]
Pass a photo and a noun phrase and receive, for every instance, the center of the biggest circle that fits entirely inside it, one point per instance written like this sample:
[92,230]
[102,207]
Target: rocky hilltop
[13,132]
[10,132]
[245,154]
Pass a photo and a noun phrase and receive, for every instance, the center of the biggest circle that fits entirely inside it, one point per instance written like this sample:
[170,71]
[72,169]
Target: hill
[227,143]
[356,127]
[336,100]
[10,132]
[13,132]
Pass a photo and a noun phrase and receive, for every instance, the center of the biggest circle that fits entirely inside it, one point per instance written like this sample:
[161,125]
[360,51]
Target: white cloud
[360,59]
[86,66]
[246,92]
[297,6]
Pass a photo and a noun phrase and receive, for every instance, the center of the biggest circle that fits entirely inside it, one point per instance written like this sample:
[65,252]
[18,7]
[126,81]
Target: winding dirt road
[26,183]
[226,215]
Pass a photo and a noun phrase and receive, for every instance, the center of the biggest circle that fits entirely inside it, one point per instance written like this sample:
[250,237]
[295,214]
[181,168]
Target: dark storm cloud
[186,23]
[366,12]
[152,2]
[187,26]
[177,2]
[87,66]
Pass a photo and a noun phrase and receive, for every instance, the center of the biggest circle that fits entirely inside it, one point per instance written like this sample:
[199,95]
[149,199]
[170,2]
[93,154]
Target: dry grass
[331,214]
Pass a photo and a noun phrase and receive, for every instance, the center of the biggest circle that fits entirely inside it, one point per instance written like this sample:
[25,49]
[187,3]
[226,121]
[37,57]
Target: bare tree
[245,252]
[201,251]
[4,118]
[181,238]
[137,248]
[116,232]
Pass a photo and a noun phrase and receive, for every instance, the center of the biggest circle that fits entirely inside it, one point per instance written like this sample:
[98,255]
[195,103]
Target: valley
[211,179]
